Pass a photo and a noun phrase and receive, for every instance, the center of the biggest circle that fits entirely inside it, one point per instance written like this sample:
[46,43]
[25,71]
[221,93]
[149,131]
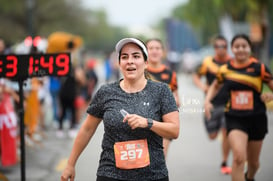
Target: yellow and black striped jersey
[244,85]
[209,69]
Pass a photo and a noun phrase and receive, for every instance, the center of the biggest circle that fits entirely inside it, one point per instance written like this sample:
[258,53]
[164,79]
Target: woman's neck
[241,62]
[222,58]
[155,64]
[133,86]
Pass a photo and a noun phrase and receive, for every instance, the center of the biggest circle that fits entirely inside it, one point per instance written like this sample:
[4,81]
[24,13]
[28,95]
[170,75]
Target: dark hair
[155,39]
[219,37]
[142,51]
[243,36]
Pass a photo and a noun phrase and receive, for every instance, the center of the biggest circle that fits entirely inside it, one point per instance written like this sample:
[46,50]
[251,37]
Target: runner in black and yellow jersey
[209,69]
[160,72]
[245,115]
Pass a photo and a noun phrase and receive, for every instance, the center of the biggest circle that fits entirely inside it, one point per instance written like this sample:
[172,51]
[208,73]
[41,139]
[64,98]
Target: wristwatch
[150,123]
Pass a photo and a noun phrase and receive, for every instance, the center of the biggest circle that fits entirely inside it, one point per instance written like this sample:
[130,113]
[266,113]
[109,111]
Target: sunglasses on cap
[220,46]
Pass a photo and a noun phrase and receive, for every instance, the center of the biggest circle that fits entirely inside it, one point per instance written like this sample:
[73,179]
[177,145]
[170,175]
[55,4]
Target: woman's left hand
[135,121]
[267,97]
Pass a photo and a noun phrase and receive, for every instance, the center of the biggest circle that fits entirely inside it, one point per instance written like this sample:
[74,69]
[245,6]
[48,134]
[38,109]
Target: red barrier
[8,132]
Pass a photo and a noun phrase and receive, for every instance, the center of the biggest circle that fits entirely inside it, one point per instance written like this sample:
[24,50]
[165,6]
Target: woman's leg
[71,105]
[225,145]
[63,113]
[253,154]
[238,142]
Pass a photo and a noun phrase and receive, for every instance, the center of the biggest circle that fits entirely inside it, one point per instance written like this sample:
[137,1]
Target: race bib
[242,100]
[132,154]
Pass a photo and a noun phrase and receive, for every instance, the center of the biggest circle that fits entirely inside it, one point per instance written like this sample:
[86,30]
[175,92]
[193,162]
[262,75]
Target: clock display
[34,65]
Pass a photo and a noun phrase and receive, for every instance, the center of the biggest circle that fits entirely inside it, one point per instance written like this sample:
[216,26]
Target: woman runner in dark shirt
[132,142]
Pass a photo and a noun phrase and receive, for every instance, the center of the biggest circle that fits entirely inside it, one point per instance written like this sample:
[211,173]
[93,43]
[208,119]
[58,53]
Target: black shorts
[254,126]
[217,120]
[99,178]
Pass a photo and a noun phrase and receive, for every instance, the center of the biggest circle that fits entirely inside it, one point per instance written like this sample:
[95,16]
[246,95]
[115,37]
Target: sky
[134,13]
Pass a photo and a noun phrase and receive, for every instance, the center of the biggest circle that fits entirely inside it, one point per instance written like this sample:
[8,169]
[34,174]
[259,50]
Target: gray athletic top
[155,100]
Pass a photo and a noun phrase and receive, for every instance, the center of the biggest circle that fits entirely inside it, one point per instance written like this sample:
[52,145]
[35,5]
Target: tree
[204,16]
[38,17]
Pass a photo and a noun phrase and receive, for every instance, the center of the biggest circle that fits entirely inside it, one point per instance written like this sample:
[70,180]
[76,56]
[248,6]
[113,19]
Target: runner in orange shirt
[160,72]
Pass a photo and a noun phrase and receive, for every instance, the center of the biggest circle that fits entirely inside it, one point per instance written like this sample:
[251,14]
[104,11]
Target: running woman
[136,113]
[216,123]
[246,117]
[160,72]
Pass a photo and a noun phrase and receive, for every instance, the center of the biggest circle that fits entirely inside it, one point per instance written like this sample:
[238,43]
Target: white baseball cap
[124,41]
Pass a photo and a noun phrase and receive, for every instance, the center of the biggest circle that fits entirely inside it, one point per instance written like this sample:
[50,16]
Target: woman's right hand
[68,173]
[208,108]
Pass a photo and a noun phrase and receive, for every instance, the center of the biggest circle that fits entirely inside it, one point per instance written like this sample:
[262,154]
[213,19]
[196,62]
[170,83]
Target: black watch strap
[150,123]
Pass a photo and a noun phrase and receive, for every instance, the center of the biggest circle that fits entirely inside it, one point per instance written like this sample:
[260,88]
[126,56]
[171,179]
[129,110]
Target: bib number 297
[132,154]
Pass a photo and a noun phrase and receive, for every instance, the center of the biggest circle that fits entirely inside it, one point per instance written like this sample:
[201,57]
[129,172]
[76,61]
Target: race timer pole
[22,130]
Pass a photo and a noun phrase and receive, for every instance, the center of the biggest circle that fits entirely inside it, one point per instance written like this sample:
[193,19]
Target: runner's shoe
[225,169]
[60,134]
[247,178]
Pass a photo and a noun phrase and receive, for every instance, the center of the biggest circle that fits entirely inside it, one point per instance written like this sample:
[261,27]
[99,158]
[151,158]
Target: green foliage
[204,14]
[49,16]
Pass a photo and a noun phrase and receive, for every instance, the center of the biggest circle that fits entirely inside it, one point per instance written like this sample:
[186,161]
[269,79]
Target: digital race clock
[18,67]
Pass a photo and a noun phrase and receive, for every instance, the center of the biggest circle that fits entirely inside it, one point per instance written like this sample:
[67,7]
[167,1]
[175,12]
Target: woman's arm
[197,81]
[212,91]
[169,128]
[268,96]
[85,133]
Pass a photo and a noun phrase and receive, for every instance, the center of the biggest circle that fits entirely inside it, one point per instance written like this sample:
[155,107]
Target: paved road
[192,157]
